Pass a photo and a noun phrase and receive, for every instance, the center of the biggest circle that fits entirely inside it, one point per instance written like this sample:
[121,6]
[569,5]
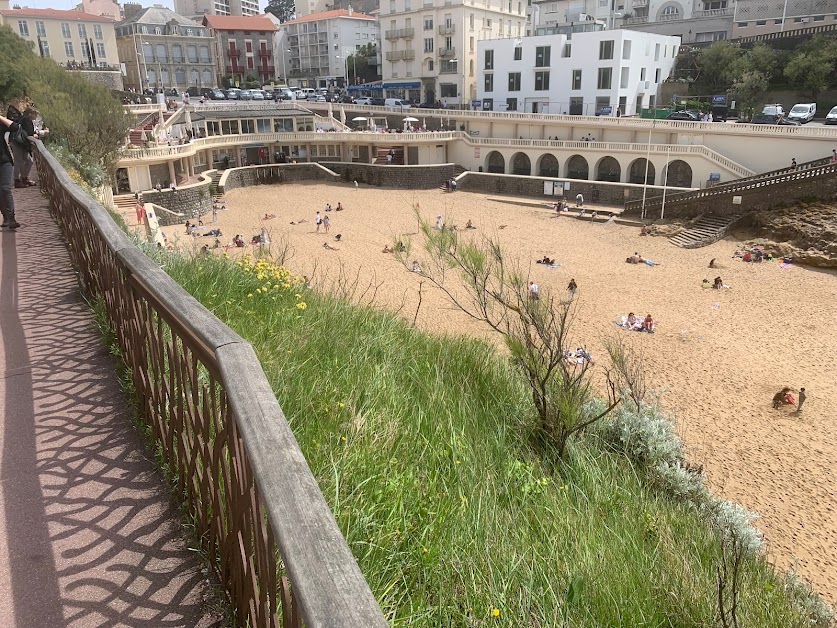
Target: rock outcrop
[807,232]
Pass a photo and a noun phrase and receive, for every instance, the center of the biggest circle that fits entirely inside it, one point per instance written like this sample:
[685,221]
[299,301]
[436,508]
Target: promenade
[88,533]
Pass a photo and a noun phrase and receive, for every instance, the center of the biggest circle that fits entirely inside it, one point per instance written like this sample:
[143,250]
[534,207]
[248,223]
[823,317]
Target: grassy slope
[420,445]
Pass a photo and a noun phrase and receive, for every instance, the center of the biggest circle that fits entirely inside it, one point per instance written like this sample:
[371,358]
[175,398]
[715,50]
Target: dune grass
[422,447]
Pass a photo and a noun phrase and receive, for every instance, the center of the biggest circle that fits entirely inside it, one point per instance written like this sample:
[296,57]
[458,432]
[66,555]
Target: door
[576,106]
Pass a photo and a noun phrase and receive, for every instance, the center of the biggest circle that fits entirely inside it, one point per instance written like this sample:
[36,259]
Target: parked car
[316,98]
[257,94]
[397,102]
[233,93]
[774,110]
[803,112]
[831,116]
[218,94]
[245,94]
[683,115]
[364,100]
[767,118]
[377,102]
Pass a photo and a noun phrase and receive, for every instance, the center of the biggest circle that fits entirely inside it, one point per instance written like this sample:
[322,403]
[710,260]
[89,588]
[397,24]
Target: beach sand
[718,355]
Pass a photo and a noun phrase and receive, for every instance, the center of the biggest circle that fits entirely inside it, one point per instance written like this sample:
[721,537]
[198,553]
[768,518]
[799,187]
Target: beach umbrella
[342,115]
[330,110]
[359,119]
[410,119]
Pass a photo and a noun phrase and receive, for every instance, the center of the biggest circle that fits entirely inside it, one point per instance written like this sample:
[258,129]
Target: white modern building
[314,49]
[197,9]
[582,74]
[429,48]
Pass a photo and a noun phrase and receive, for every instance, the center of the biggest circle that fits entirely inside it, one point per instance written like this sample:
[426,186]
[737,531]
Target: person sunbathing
[328,247]
[707,284]
[416,267]
[387,249]
[631,321]
[545,260]
[648,324]
[269,216]
[712,263]
[644,231]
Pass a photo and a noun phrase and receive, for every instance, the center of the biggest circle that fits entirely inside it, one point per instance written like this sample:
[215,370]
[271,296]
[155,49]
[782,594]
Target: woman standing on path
[7,201]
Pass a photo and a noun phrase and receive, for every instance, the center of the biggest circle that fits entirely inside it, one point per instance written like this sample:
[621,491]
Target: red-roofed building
[315,47]
[70,37]
[244,47]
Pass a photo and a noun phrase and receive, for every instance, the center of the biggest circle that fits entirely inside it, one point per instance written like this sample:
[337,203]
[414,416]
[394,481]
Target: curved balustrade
[220,429]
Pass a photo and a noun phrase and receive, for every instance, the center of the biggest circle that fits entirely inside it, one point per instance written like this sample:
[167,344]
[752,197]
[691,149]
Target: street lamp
[284,67]
[345,69]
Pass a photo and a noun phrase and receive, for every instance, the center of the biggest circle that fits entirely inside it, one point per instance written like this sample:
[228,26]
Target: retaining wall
[601,192]
[190,201]
[272,173]
[409,177]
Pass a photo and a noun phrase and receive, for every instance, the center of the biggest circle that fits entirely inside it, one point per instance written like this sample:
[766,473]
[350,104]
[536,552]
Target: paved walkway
[88,536]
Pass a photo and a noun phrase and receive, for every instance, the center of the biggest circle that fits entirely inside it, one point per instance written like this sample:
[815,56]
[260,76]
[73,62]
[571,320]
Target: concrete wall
[410,177]
[269,174]
[111,80]
[614,194]
[192,201]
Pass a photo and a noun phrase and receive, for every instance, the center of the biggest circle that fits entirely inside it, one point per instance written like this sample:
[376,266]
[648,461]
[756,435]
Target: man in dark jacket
[7,201]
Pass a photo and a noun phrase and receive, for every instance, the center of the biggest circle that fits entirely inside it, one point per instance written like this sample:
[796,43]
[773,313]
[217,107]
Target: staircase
[397,158]
[704,231]
[146,127]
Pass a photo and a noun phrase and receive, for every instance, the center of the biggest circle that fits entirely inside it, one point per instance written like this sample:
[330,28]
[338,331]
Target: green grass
[421,446]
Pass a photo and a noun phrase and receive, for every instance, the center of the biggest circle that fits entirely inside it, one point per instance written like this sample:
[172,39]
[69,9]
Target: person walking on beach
[533,291]
[579,200]
[800,400]
[318,220]
[326,223]
[571,288]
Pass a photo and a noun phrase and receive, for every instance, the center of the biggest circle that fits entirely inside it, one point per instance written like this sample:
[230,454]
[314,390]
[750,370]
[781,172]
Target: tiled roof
[238,23]
[159,16]
[325,15]
[56,14]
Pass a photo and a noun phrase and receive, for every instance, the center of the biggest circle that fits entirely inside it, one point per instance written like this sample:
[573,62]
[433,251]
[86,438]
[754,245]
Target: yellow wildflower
[301,305]
[495,612]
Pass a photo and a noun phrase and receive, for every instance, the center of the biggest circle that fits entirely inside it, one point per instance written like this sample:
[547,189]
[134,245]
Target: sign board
[476,105]
[547,188]
[566,185]
[476,152]
[719,100]
[558,189]
[606,111]
[736,200]
[714,176]
[488,104]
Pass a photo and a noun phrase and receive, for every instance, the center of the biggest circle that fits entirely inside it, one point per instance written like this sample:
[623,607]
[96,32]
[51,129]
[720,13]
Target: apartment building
[106,8]
[317,47]
[70,37]
[762,17]
[430,46]
[164,50]
[243,47]
[197,9]
[595,73]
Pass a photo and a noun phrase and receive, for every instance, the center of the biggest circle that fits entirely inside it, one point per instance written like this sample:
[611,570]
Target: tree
[750,88]
[282,9]
[13,49]
[358,65]
[717,66]
[811,68]
[536,329]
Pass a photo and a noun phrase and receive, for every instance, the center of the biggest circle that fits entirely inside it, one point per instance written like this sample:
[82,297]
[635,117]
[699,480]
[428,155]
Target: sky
[69,4]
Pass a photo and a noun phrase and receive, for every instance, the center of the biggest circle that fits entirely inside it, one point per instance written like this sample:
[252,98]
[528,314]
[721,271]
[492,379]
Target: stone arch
[548,166]
[670,11]
[679,174]
[636,173]
[608,169]
[577,168]
[521,164]
[495,162]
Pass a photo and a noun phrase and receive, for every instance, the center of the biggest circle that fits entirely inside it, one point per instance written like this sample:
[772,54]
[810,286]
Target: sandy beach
[718,355]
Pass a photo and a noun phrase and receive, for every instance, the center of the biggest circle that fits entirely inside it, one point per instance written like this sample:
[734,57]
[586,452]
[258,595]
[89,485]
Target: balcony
[446,30]
[638,4]
[447,52]
[640,19]
[451,69]
[265,54]
[233,53]
[712,13]
[400,33]
[399,55]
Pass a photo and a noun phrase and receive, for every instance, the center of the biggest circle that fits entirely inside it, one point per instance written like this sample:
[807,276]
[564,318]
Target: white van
[803,112]
[831,116]
[304,92]
[397,102]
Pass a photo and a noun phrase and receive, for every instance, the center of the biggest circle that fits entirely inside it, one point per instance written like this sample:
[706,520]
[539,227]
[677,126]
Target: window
[336,35]
[428,44]
[761,22]
[428,23]
[68,49]
[542,56]
[518,53]
[283,125]
[489,82]
[45,48]
[744,24]
[23,27]
[430,65]
[489,60]
[250,64]
[642,74]
[177,53]
[606,49]
[623,79]
[626,49]
[263,125]
[657,52]
[248,126]
[657,75]
[229,127]
[514,81]
[605,77]
[670,13]
[567,51]
[180,76]
[189,32]
[714,4]
[819,18]
[471,44]
[541,81]
[204,50]
[192,54]
[100,50]
[511,104]
[40,29]
[471,21]
[447,90]
[576,79]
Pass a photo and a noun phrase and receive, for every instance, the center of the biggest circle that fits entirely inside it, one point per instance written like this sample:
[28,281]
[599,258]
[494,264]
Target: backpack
[20,137]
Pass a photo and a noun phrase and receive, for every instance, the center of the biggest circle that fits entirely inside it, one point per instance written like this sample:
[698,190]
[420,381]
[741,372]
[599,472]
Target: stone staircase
[146,127]
[397,158]
[704,231]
